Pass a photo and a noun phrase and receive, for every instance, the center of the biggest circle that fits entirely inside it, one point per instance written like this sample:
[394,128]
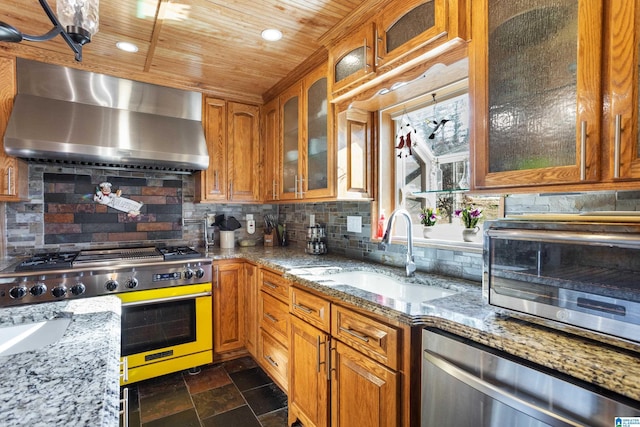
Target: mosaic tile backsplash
[61,212]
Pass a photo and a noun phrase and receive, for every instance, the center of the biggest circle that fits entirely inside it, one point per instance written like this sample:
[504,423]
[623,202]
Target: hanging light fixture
[78,21]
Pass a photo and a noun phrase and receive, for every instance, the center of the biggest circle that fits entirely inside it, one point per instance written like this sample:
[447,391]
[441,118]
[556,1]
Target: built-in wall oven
[165,292]
[573,272]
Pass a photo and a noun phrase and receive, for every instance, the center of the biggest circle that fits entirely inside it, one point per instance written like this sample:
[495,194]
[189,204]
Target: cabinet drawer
[274,315]
[373,338]
[275,285]
[313,309]
[274,358]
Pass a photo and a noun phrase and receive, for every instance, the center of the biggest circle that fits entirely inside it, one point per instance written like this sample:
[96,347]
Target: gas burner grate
[48,261]
[179,252]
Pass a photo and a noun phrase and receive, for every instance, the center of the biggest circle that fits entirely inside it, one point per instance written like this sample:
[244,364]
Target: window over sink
[424,160]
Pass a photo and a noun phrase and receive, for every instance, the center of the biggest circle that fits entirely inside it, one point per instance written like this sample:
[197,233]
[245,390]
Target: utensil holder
[316,240]
[227,239]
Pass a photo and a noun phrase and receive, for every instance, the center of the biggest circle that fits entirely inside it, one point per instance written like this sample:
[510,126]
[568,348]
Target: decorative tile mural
[73,212]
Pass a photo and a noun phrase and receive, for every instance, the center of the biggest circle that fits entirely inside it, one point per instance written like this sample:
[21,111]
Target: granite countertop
[73,382]
[603,361]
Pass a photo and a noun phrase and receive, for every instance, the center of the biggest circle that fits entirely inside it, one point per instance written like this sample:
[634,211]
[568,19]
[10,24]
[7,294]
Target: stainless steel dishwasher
[465,384]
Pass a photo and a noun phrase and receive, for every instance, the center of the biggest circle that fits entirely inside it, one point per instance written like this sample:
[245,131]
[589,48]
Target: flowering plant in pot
[428,216]
[470,216]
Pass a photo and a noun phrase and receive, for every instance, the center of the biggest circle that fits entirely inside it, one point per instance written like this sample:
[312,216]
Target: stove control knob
[200,273]
[188,273]
[18,292]
[59,291]
[38,289]
[78,289]
[132,282]
[111,285]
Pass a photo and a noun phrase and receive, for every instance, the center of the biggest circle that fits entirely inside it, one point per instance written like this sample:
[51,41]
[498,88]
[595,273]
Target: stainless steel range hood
[67,115]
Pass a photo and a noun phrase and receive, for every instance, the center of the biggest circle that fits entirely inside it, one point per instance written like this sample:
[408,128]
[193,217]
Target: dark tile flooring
[236,393]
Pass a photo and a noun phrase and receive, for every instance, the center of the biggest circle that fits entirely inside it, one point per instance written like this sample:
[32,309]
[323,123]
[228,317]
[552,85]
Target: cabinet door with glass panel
[319,155]
[402,28]
[307,156]
[270,114]
[535,81]
[624,77]
[352,59]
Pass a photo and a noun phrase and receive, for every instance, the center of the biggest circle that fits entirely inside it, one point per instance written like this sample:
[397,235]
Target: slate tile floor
[236,393]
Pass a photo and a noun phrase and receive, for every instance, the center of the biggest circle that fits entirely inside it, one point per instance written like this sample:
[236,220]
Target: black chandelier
[78,22]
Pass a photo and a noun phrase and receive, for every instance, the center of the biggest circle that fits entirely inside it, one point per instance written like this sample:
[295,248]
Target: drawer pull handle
[271,361]
[355,334]
[270,317]
[270,285]
[124,363]
[303,308]
[125,407]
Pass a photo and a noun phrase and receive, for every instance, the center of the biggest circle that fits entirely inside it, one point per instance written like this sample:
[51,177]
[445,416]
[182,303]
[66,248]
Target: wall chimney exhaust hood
[65,115]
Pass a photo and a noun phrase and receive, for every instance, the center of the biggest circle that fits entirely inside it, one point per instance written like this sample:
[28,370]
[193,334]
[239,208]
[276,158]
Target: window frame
[389,198]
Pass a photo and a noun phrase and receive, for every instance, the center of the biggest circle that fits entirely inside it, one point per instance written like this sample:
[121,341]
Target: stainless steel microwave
[574,271]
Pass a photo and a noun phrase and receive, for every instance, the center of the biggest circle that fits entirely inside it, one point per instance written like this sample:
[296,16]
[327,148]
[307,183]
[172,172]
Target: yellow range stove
[165,292]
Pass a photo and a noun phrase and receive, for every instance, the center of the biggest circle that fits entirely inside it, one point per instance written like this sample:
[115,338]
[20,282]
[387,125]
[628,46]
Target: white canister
[227,239]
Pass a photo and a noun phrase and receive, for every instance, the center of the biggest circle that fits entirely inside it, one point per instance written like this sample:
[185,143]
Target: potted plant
[428,218]
[470,216]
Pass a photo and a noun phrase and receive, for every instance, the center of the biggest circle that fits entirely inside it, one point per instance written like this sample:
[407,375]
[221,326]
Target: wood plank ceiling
[211,46]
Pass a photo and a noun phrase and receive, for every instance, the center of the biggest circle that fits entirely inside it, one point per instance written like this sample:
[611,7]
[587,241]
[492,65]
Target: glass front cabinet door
[290,114]
[307,156]
[535,80]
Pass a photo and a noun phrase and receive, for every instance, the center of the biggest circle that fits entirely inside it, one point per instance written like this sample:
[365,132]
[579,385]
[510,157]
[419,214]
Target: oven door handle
[166,299]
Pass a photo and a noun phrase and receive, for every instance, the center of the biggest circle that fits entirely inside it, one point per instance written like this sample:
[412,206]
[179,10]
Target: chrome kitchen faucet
[410,266]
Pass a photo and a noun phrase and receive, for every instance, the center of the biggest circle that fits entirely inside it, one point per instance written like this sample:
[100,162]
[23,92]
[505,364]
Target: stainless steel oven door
[165,330]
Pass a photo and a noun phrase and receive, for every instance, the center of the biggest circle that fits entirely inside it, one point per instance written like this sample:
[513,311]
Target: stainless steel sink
[31,336]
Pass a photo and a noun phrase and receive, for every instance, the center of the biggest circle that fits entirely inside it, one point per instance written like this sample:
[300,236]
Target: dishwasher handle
[498,394]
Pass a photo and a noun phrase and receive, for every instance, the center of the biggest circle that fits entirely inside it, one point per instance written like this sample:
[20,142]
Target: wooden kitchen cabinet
[535,82]
[355,138]
[364,392]
[352,58]
[309,374]
[273,334]
[403,27]
[398,37]
[306,153]
[14,173]
[228,310]
[623,155]
[251,294]
[233,142]
[340,356]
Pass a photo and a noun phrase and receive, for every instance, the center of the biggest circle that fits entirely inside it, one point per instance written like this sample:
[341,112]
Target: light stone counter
[604,361]
[73,382]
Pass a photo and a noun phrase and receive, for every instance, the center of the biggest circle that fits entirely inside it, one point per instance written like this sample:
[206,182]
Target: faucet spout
[410,265]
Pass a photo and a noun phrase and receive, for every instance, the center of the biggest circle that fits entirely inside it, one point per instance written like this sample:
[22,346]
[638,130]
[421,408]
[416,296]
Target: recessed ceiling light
[271,34]
[127,47]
